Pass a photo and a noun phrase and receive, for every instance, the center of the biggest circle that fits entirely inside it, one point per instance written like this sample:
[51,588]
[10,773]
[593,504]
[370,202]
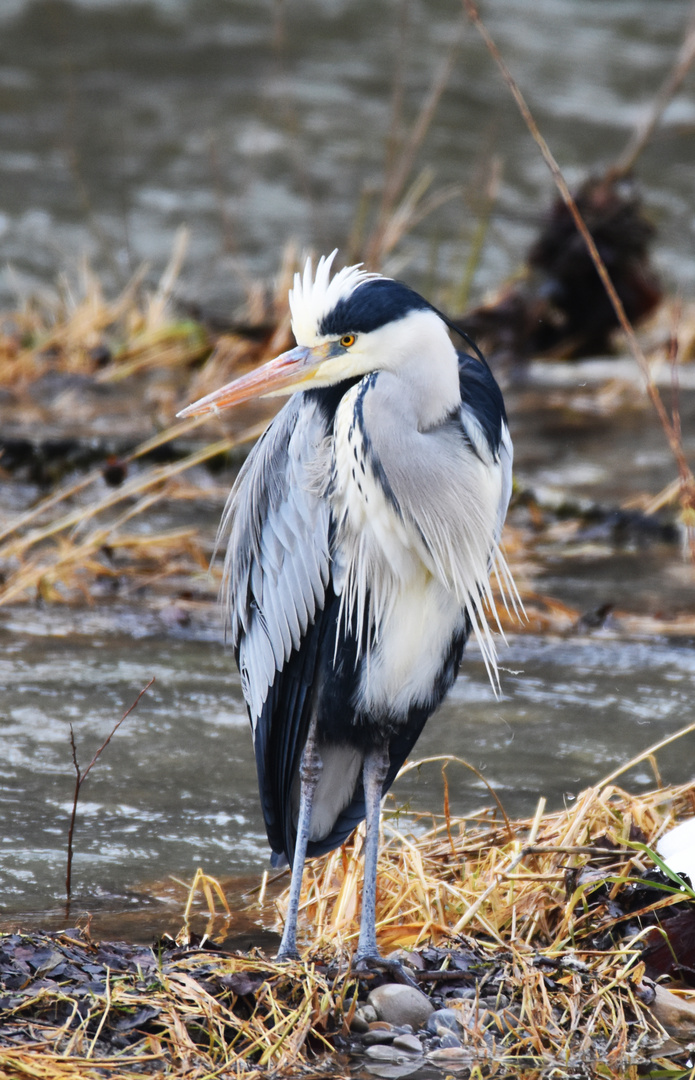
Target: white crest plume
[314,296]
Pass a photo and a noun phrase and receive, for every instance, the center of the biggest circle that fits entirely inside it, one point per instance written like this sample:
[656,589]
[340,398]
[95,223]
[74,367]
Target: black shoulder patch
[480,392]
[371,305]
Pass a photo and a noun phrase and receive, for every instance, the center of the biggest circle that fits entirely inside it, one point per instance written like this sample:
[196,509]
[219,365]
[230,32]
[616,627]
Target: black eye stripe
[371,305]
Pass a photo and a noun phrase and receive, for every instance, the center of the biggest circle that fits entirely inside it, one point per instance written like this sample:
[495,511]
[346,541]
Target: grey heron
[363,529]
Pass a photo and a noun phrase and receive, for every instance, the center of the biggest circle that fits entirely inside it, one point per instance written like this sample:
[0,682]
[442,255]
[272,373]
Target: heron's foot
[367,958]
[372,961]
[288,952]
[288,944]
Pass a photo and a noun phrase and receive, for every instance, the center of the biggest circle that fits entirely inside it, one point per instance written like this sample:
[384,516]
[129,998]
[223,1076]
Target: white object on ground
[677,849]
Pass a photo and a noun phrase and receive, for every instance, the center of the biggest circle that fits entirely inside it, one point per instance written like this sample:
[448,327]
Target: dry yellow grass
[66,540]
[507,881]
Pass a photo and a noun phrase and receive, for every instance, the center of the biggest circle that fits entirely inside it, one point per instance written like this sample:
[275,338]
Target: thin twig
[395,132]
[446,758]
[80,778]
[578,849]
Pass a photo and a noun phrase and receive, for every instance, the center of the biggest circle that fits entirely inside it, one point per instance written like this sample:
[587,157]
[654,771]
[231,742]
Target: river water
[255,123]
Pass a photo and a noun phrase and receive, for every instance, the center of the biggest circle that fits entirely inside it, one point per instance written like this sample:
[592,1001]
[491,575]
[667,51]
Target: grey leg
[376,764]
[309,772]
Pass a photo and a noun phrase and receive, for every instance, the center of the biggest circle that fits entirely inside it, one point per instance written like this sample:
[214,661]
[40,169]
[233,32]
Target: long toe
[396,971]
[368,957]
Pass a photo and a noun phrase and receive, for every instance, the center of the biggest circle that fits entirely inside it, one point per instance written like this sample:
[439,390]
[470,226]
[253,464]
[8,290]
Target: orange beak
[284,374]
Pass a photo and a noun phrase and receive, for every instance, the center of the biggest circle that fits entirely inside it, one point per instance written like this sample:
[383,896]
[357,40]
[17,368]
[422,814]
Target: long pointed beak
[285,373]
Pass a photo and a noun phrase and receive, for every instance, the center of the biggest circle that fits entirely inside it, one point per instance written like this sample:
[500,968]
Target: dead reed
[95,526]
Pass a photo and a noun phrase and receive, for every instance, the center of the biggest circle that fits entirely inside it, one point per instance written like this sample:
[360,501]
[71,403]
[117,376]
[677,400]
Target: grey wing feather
[277,564]
[506,458]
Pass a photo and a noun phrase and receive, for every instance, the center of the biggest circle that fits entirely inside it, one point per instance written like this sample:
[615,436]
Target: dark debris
[562,309]
[668,949]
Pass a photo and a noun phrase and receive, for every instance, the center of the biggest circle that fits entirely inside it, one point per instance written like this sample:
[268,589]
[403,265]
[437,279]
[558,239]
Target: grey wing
[277,565]
[506,457]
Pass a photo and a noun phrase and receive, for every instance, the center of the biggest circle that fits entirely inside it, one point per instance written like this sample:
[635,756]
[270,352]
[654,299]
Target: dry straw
[486,875]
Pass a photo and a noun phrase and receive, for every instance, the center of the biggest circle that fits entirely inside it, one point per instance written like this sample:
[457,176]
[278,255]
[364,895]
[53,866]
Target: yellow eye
[347,340]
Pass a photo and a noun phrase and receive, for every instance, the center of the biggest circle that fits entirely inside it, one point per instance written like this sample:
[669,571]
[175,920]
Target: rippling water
[257,122]
[175,789]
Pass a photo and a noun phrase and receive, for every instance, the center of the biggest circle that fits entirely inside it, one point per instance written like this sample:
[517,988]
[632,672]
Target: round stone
[410,1043]
[449,1055]
[398,1004]
[444,1018]
[382,1053]
[379,1035]
[366,1013]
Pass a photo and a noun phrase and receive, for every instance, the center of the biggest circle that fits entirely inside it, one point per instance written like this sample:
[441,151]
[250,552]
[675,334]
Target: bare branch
[80,778]
[401,164]
[115,728]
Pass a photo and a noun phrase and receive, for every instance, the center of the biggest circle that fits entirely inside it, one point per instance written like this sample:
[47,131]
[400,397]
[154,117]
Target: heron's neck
[429,368]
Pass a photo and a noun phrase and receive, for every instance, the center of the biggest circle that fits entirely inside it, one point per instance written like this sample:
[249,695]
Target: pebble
[358,1025]
[509,1020]
[378,1036]
[398,1004]
[487,1020]
[411,959]
[382,1053]
[497,1001]
[363,1017]
[448,1039]
[410,1043]
[444,1018]
[450,1055]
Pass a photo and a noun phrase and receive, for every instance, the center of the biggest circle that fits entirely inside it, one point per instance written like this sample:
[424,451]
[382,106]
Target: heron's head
[345,326]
